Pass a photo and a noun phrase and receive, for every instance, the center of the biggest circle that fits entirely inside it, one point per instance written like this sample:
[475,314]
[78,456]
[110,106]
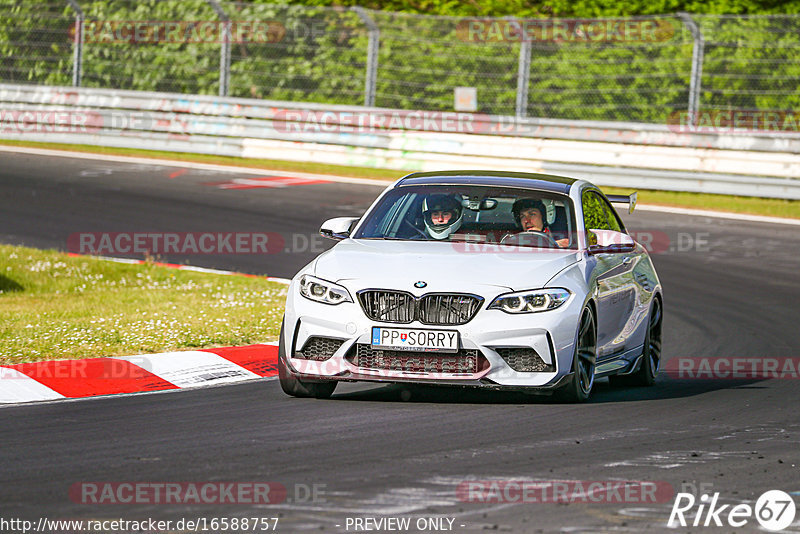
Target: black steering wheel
[526,237]
[420,232]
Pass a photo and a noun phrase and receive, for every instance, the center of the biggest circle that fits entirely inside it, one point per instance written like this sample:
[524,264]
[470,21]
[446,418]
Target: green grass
[55,306]
[736,204]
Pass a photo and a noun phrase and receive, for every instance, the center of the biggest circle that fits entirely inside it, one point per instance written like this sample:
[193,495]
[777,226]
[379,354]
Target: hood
[443,266]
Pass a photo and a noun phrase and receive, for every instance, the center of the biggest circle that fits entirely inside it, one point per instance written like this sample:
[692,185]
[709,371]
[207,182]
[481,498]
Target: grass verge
[55,306]
[751,205]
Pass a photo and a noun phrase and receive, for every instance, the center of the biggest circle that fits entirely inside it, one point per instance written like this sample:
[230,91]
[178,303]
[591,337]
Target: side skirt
[625,363]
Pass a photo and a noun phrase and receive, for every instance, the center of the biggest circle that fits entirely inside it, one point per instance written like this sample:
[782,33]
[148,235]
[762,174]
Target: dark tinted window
[484,214]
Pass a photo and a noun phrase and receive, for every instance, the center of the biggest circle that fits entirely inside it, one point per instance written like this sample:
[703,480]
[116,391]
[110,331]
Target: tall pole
[698,50]
[77,49]
[225,49]
[374,36]
[523,70]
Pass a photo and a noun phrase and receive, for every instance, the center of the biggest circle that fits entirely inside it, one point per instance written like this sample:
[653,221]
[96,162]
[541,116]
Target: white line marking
[118,260]
[202,269]
[277,280]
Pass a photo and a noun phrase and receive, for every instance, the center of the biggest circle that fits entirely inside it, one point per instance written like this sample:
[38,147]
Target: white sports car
[476,278]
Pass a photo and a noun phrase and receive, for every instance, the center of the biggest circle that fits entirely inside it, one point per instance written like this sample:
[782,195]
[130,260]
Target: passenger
[531,216]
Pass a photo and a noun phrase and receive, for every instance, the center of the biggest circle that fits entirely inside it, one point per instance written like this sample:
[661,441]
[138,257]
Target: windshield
[481,214]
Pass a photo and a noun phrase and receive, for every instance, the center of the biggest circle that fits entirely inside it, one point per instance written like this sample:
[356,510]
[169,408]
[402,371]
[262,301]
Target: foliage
[318,53]
[568,8]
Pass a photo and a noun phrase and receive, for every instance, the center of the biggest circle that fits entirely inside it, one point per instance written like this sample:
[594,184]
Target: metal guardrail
[614,154]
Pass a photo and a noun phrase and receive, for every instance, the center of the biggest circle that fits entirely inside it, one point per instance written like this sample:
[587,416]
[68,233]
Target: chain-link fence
[751,62]
[638,69]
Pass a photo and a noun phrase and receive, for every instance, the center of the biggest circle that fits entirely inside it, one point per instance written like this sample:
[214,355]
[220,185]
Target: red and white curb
[91,377]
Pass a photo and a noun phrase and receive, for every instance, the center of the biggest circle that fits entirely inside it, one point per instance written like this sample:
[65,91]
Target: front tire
[291,385]
[583,361]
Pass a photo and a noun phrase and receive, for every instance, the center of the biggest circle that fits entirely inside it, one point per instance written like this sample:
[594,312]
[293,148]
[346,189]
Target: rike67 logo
[774,511]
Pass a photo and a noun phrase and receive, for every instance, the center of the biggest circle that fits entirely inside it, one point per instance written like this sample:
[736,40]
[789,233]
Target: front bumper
[551,334]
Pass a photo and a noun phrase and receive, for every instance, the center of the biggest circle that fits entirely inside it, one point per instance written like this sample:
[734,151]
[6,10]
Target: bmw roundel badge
[420,284]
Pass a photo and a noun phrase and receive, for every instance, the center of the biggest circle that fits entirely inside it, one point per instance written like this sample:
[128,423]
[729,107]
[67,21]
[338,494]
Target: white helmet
[442,203]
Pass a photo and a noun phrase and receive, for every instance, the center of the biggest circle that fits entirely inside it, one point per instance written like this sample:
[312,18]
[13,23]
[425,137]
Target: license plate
[414,339]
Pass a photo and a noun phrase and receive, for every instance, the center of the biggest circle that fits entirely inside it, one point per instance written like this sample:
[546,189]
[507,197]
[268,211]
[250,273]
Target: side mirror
[609,241]
[338,227]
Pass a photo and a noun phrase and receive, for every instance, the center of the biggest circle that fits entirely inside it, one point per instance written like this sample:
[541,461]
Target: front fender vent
[524,360]
[319,348]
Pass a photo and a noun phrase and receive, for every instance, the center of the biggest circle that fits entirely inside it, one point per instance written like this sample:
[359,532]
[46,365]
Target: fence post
[225,49]
[77,50]
[698,50]
[374,35]
[523,75]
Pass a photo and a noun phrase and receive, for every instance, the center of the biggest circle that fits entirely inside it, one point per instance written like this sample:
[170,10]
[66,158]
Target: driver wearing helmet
[442,214]
[530,215]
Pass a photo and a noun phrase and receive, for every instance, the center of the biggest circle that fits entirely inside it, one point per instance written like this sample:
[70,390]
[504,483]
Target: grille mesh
[319,348]
[447,309]
[388,306]
[523,359]
[464,361]
[435,309]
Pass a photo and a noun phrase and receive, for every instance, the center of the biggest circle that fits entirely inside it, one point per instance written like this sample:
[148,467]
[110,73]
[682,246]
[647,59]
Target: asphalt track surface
[377,452]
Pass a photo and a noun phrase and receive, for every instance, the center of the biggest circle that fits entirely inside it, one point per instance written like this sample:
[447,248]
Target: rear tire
[651,353]
[291,385]
[583,362]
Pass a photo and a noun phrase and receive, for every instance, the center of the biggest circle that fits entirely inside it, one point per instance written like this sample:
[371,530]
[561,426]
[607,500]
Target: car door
[613,278]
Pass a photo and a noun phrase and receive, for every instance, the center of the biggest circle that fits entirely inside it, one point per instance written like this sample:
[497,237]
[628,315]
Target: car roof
[526,180]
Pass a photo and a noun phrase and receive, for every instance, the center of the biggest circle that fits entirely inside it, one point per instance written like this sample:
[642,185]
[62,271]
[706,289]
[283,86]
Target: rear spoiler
[630,200]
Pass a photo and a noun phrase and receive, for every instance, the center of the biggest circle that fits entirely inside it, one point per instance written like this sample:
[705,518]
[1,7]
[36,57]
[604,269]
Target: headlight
[534,300]
[319,290]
